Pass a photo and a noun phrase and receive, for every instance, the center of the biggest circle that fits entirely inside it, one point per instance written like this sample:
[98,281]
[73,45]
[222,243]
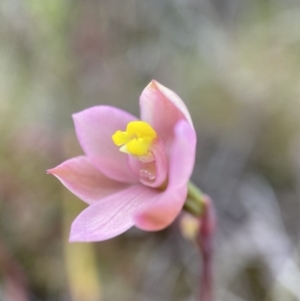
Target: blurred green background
[235,63]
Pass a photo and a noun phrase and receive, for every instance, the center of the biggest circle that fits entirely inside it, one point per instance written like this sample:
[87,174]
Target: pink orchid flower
[134,172]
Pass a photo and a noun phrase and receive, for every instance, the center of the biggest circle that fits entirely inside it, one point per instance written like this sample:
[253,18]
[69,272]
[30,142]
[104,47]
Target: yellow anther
[136,140]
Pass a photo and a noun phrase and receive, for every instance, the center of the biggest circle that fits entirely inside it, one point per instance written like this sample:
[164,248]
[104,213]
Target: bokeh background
[235,63]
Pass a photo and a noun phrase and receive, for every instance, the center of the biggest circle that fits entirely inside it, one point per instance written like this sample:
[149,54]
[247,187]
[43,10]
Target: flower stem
[201,206]
[205,243]
[206,283]
[194,202]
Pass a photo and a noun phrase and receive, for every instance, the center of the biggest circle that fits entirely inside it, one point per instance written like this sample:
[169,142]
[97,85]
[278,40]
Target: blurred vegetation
[235,63]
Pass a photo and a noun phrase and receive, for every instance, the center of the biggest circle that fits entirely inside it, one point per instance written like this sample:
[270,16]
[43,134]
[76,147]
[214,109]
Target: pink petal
[85,180]
[163,211]
[112,215]
[181,164]
[182,154]
[152,174]
[162,108]
[94,128]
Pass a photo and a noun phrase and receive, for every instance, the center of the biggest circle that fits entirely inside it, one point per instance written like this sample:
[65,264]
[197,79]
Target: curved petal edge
[163,108]
[83,179]
[111,215]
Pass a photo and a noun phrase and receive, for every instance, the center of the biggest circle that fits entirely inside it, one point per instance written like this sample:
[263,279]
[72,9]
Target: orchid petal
[168,205]
[162,108]
[95,127]
[182,154]
[163,211]
[82,178]
[112,215]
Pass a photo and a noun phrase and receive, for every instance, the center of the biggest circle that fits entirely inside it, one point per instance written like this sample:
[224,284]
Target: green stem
[201,207]
[194,203]
[192,207]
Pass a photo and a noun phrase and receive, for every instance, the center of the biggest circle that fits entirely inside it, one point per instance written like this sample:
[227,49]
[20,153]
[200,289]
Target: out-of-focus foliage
[235,63]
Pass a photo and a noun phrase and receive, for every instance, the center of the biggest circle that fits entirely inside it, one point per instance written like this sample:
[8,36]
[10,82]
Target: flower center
[136,140]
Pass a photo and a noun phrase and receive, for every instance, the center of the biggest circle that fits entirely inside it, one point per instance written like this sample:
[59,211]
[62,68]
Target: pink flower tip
[49,171]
